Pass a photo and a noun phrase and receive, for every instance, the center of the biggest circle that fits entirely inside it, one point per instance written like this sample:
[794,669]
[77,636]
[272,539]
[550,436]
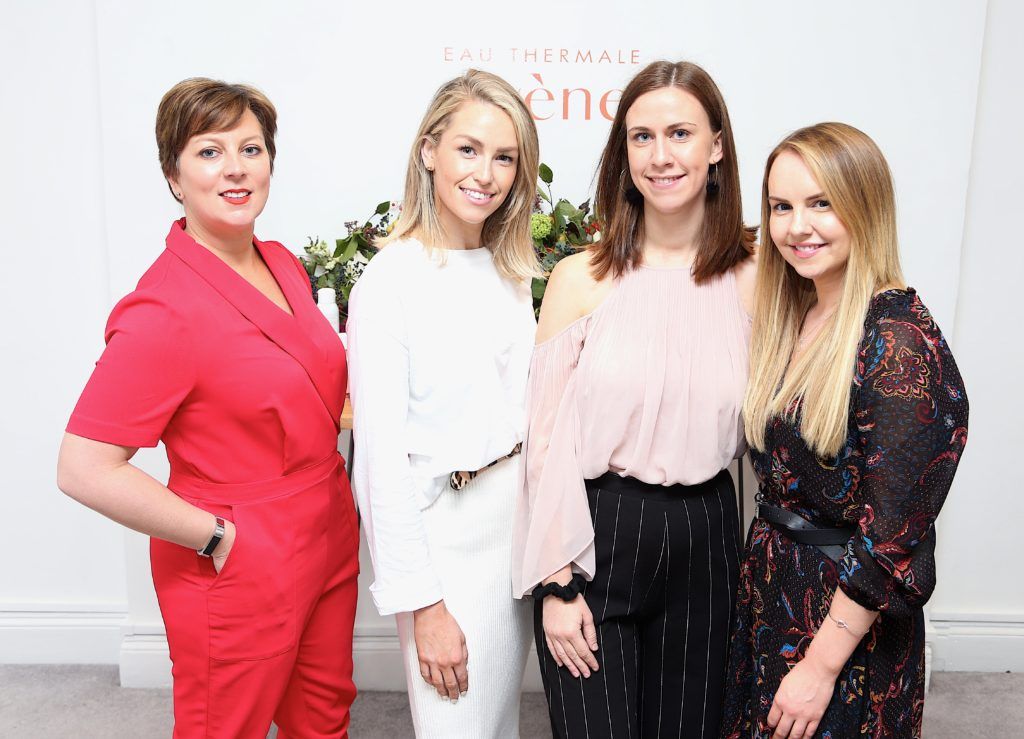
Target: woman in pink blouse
[626,531]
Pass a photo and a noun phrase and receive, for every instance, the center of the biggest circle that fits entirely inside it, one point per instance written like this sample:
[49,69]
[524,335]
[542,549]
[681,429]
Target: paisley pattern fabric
[907,431]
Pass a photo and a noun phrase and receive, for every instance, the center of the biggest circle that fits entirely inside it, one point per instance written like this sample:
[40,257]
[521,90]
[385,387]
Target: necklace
[808,332]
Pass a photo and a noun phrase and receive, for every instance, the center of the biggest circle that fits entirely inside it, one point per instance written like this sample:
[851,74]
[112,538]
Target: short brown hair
[723,241]
[198,105]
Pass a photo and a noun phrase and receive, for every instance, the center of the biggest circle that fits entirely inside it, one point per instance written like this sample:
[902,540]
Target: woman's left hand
[801,700]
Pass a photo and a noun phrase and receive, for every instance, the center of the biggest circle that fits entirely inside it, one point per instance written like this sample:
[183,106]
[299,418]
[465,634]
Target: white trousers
[469,533]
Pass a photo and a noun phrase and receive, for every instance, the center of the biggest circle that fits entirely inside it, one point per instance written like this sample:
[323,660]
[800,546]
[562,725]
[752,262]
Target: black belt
[831,540]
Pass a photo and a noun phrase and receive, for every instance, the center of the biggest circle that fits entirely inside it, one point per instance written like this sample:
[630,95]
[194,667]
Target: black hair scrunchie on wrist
[567,593]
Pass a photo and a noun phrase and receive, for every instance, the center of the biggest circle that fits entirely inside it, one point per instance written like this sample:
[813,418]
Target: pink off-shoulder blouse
[649,385]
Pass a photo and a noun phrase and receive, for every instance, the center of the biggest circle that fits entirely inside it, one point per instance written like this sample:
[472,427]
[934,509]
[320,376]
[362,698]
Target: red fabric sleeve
[145,373]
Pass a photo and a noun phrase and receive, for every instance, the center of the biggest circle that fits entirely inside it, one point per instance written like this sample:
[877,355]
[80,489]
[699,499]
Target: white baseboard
[60,633]
[973,642]
[144,661]
[78,633]
[376,652]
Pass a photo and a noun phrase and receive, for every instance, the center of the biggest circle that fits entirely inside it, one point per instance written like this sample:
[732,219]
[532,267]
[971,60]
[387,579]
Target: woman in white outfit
[441,330]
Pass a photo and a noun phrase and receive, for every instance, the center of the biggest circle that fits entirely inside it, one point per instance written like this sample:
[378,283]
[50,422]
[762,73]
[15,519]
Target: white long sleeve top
[439,348]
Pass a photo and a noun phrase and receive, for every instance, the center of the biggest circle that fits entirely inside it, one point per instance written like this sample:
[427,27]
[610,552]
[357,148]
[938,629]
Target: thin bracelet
[845,626]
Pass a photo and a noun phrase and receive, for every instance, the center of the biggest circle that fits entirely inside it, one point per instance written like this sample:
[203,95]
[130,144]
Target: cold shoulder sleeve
[552,526]
[911,426]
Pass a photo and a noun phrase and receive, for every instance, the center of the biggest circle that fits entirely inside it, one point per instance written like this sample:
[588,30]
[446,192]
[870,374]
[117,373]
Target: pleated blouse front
[649,385]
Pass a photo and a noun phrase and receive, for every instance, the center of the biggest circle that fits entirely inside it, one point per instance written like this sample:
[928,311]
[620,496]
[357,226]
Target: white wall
[86,212]
[62,583]
[978,609]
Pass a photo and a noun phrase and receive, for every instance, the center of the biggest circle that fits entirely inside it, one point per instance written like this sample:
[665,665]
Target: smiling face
[805,229]
[224,180]
[670,146]
[474,166]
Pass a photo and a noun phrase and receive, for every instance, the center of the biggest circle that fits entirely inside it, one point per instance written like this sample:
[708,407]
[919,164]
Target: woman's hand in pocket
[220,554]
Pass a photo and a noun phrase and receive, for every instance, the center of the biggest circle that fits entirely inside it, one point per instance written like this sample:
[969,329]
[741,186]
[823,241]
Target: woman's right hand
[441,650]
[570,634]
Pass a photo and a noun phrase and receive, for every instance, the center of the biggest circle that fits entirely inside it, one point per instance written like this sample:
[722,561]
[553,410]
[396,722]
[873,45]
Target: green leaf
[543,194]
[538,287]
[350,249]
[545,174]
[383,208]
[340,245]
[565,209]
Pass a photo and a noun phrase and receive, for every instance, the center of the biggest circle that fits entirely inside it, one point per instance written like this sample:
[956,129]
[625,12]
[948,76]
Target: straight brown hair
[723,240]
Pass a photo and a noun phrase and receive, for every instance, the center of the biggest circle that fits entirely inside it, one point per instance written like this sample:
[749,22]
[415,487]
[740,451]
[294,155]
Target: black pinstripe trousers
[662,599]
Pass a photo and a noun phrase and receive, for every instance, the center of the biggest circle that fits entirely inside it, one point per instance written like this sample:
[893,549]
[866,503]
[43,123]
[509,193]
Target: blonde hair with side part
[506,232]
[855,178]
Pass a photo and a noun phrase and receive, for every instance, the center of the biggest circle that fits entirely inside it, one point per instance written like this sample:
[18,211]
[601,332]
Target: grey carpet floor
[75,701]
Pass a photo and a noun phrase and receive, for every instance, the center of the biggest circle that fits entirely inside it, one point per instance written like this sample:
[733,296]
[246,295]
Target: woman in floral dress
[857,417]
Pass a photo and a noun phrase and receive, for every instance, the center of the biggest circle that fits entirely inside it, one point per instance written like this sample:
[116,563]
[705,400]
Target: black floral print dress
[907,430]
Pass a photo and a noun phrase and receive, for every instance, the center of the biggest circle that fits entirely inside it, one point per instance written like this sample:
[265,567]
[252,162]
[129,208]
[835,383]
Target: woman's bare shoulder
[572,292]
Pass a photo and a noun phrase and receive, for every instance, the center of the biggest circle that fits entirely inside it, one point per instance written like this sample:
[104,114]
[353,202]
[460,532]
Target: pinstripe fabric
[662,599]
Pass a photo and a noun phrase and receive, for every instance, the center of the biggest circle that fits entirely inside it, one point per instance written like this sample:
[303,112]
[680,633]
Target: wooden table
[346,414]
[346,424]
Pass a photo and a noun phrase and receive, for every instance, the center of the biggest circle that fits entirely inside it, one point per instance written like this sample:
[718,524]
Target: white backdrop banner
[351,81]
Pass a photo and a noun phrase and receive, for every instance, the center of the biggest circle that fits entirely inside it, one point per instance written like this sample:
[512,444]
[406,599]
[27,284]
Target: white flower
[354,268]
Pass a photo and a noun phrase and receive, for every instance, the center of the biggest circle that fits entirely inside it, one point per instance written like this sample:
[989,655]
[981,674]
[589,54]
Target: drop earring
[712,184]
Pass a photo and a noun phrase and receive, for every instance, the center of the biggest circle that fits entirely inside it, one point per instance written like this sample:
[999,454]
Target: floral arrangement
[340,268]
[558,229]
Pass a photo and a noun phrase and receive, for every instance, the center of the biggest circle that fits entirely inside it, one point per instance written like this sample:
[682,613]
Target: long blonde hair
[506,232]
[855,178]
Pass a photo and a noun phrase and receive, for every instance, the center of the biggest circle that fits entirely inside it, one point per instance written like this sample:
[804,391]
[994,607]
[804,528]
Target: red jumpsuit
[246,400]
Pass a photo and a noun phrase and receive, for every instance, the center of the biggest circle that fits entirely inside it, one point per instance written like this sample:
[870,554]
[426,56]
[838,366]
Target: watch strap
[218,534]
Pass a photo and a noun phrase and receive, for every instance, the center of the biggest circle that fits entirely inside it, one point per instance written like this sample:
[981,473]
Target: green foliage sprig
[558,229]
[340,268]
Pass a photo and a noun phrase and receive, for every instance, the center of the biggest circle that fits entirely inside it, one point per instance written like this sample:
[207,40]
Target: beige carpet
[74,701]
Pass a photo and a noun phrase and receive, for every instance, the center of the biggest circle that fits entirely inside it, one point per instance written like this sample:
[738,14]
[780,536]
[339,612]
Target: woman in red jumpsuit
[221,354]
